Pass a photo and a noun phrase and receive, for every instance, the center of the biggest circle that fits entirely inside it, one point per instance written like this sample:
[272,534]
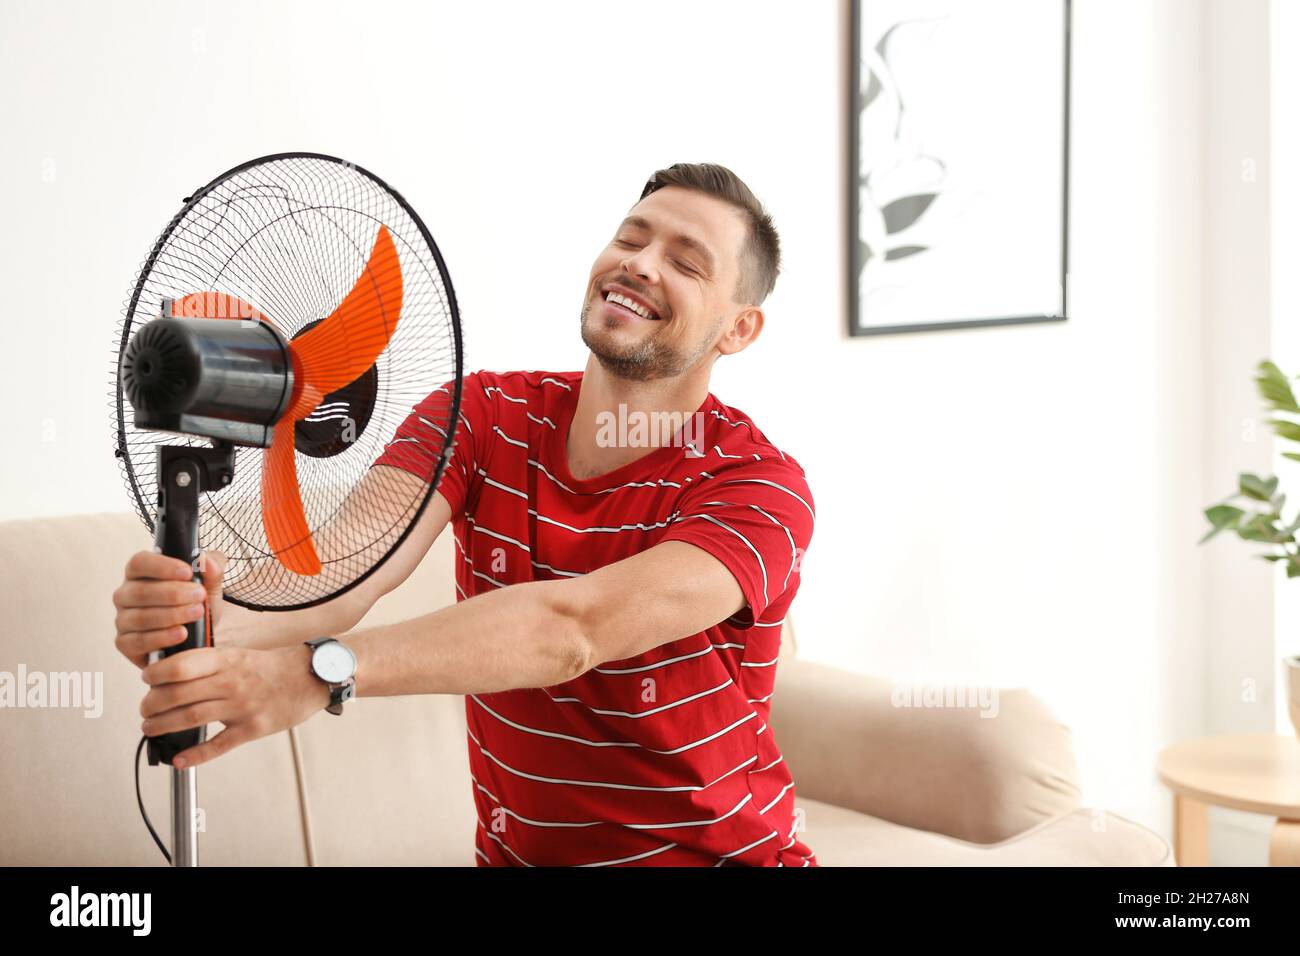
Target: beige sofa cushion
[843,837]
[388,783]
[947,770]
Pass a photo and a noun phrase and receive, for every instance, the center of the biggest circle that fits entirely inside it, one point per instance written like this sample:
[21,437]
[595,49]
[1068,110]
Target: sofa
[388,782]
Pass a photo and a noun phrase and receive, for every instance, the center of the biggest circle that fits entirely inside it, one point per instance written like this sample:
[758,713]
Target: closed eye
[680,264]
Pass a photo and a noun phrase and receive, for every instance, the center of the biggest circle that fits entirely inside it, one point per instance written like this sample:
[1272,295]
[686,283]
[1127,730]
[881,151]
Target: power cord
[140,801]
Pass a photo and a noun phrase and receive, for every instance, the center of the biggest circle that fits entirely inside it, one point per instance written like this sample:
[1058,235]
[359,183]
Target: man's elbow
[573,630]
[578,659]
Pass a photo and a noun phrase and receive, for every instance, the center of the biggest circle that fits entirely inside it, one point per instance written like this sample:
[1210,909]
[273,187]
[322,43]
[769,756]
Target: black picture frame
[854,257]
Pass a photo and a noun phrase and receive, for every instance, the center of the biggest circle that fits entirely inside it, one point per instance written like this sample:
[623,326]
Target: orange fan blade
[282,513]
[348,342]
[325,358]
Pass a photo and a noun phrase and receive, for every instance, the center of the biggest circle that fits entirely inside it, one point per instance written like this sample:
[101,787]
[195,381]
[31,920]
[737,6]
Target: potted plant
[1261,519]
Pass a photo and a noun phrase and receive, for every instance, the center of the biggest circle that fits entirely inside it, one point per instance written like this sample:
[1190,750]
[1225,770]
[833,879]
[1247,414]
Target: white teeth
[636,307]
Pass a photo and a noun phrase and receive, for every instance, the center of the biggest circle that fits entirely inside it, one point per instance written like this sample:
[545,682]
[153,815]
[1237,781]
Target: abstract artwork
[958,163]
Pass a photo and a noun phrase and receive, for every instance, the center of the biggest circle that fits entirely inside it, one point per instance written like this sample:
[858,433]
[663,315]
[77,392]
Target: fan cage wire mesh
[290,234]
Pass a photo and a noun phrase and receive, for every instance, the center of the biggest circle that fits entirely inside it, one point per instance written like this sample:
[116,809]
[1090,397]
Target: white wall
[1236,333]
[1241,690]
[1008,506]
[1284,35]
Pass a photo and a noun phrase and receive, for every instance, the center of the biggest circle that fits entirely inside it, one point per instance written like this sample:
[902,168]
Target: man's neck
[599,397]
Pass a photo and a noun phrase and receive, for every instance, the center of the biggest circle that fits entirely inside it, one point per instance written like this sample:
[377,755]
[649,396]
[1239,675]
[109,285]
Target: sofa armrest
[944,769]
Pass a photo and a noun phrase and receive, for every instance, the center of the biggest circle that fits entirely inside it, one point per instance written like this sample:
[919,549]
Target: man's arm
[368,512]
[736,552]
[532,634]
[541,633]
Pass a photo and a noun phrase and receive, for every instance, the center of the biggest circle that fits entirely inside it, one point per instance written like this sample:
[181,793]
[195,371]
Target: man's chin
[616,339]
[618,359]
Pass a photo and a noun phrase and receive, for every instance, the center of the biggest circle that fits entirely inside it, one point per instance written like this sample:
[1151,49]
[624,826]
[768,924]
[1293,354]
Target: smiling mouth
[626,311]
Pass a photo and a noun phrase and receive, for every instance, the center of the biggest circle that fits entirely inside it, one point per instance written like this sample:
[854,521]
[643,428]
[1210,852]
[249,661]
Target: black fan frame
[145,509]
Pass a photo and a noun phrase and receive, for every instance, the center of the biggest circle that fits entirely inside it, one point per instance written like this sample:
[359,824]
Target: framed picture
[958,163]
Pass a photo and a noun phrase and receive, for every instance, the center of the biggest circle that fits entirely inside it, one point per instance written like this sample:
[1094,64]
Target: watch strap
[340,694]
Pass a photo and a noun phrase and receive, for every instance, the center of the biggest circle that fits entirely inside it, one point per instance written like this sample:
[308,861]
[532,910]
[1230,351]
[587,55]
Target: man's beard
[645,361]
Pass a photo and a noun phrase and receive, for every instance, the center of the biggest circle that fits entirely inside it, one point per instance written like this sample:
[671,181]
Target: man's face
[678,253]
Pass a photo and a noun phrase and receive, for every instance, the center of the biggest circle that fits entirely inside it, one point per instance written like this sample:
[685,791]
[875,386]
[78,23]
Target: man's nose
[640,266]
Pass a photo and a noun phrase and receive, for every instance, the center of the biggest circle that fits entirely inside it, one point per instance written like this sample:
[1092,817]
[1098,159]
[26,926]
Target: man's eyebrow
[690,242]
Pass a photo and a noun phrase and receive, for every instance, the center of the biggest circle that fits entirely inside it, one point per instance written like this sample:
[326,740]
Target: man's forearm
[264,630]
[524,635]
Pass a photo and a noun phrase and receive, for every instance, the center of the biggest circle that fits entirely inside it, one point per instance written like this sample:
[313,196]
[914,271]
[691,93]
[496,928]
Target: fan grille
[289,235]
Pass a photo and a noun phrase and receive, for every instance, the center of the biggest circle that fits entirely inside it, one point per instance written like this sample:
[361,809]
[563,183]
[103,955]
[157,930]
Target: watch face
[333,662]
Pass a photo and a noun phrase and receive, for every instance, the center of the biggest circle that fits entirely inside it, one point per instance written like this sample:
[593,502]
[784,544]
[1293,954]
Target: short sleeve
[757,519]
[421,437]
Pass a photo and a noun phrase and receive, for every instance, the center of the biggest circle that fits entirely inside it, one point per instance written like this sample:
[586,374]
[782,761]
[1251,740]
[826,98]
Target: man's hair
[760,255]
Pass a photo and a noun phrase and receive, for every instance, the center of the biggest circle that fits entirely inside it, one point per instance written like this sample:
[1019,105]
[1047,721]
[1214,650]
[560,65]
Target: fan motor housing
[225,379]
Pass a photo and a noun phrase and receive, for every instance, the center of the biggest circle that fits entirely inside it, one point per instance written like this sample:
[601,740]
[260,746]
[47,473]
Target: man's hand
[159,597]
[252,692]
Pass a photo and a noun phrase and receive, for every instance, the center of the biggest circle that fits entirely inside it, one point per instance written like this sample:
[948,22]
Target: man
[621,587]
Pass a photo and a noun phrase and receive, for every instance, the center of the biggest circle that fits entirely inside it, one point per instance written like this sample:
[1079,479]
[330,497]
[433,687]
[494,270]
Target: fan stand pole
[183,473]
[185,797]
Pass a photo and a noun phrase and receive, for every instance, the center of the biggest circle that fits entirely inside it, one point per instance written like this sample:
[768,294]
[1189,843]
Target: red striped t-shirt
[665,758]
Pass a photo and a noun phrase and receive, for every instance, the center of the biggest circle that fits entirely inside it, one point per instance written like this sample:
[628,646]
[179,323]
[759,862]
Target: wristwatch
[334,663]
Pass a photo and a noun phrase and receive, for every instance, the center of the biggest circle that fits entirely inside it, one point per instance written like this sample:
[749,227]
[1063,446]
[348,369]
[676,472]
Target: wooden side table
[1258,773]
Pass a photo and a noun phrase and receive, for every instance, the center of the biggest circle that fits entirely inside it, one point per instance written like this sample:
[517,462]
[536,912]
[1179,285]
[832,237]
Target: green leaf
[1260,527]
[1273,557]
[1277,504]
[1293,567]
[1288,430]
[1222,517]
[1253,486]
[1294,456]
[1275,388]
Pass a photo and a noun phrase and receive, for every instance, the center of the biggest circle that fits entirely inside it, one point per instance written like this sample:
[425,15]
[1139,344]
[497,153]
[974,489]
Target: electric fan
[285,322]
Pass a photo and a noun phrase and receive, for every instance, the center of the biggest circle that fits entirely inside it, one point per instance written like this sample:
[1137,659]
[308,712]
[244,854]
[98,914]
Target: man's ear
[744,330]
